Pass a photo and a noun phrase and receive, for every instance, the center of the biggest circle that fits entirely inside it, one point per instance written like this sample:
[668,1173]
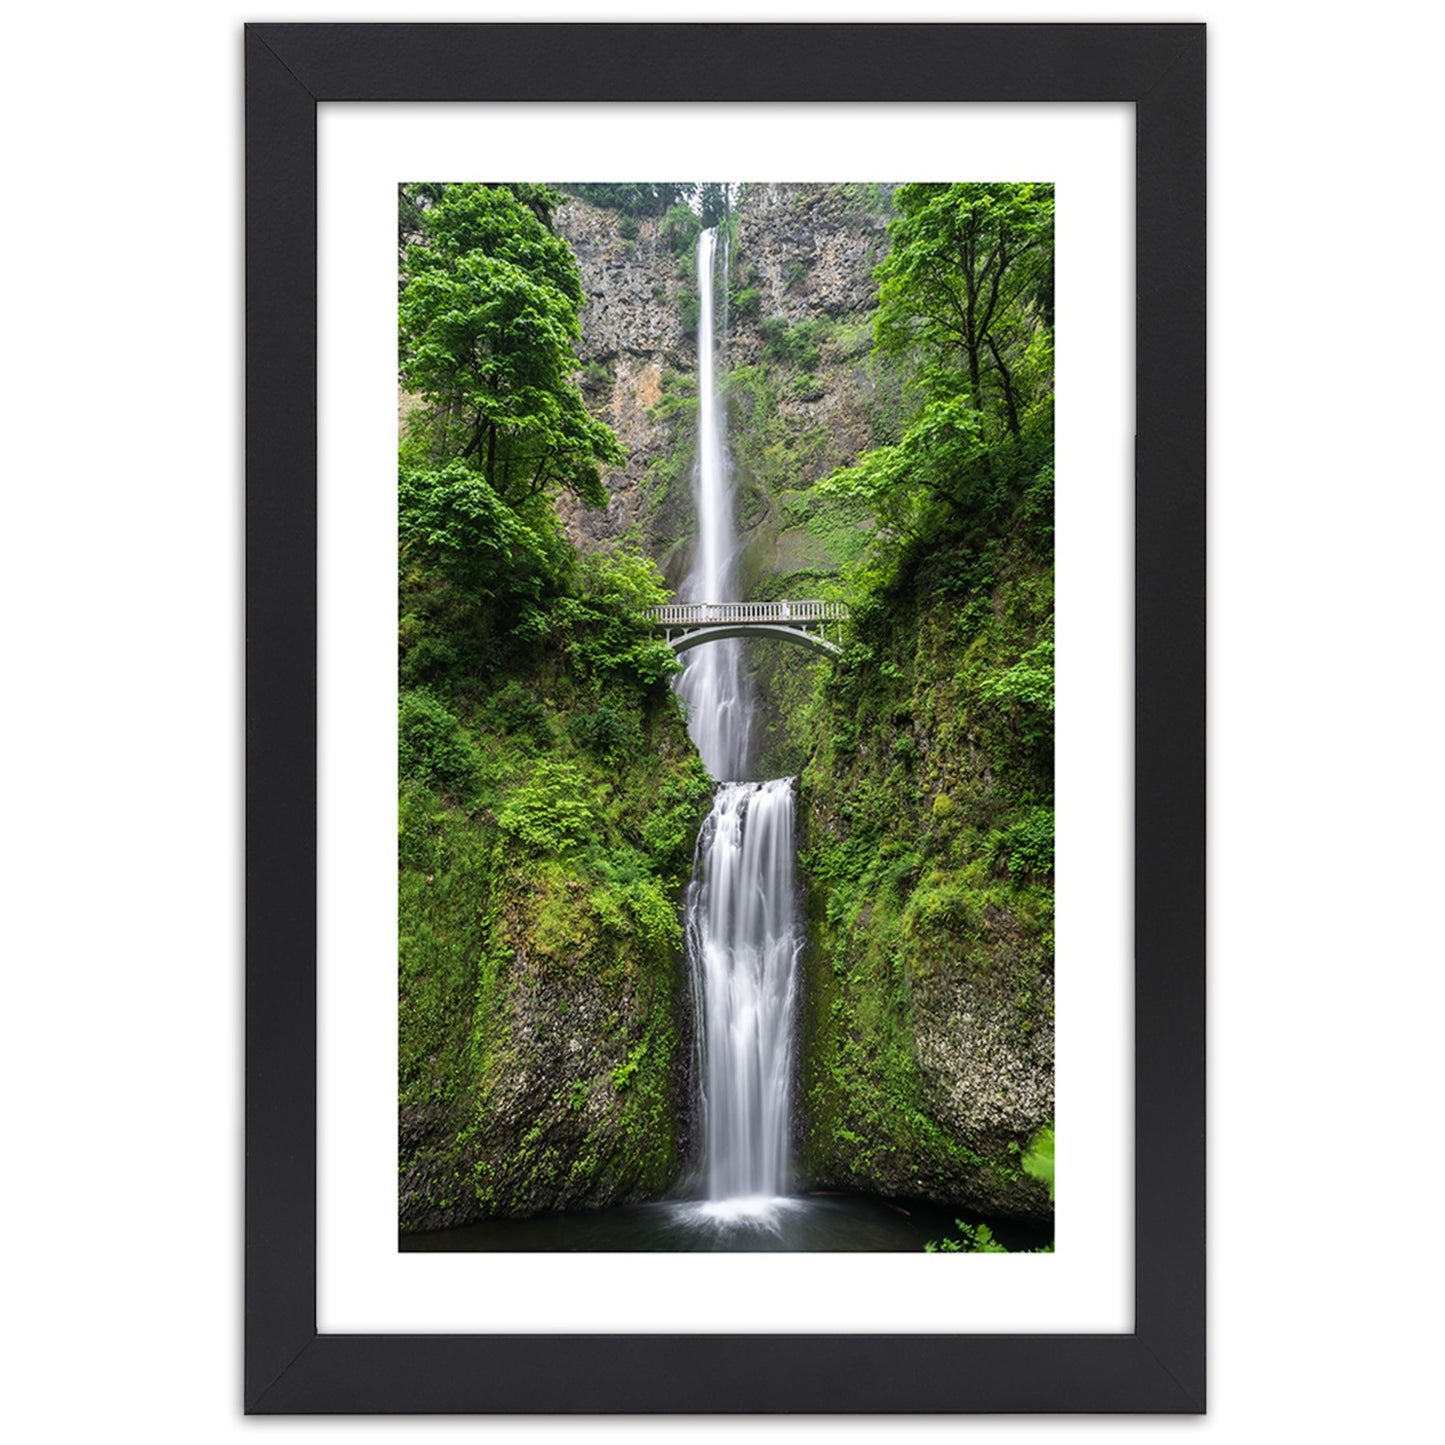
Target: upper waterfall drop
[712,684]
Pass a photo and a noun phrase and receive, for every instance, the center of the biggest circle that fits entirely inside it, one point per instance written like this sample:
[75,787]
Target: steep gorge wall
[544,1044]
[928,844]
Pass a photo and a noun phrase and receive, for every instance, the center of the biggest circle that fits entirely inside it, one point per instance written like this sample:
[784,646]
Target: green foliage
[609,732]
[678,400]
[745,303]
[413,200]
[1027,690]
[595,377]
[426,660]
[680,227]
[961,309]
[553,811]
[488,317]
[624,1073]
[445,895]
[797,345]
[549,796]
[972,1239]
[636,908]
[670,828]
[961,287]
[1039,1158]
[689,309]
[513,711]
[944,477]
[930,832]
[1026,848]
[604,627]
[632,199]
[712,202]
[432,748]
[454,522]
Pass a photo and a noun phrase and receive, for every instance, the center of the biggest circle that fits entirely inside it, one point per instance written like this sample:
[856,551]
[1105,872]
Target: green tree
[712,203]
[968,282]
[632,198]
[488,317]
[455,524]
[964,301]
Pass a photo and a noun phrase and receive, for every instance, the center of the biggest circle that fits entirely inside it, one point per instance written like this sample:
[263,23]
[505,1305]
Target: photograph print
[726,716]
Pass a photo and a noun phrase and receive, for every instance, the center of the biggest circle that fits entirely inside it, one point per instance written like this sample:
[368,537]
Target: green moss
[542,984]
[1038,1159]
[929,865]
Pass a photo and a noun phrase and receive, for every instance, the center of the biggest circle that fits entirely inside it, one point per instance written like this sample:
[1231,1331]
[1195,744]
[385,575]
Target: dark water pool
[821,1222]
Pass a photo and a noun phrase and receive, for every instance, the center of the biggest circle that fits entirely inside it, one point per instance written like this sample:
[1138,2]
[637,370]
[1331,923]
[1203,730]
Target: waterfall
[712,683]
[743,932]
[743,942]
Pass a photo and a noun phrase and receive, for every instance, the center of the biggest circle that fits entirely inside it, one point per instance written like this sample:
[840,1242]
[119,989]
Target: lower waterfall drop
[744,940]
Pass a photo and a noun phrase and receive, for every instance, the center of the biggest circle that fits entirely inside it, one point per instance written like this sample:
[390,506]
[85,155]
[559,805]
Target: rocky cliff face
[633,343]
[802,396]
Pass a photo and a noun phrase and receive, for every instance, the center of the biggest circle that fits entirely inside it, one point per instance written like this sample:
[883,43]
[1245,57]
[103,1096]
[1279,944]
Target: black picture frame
[292,1369]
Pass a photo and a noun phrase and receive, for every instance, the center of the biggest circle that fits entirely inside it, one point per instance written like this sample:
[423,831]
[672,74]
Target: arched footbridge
[690,624]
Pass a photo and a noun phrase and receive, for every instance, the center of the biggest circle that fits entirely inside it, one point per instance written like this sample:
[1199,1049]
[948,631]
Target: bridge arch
[697,636]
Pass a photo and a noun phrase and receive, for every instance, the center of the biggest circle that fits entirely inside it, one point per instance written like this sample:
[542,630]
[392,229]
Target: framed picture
[1091,137]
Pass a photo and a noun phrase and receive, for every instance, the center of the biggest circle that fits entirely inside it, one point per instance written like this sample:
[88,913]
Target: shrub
[607,634]
[671,824]
[608,732]
[689,308]
[512,711]
[426,660]
[680,227]
[1026,849]
[1026,690]
[799,346]
[552,812]
[432,748]
[1039,1158]
[746,302]
[975,1239]
[595,377]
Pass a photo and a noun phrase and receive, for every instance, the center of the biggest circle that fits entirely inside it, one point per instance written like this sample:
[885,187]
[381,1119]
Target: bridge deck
[703,614]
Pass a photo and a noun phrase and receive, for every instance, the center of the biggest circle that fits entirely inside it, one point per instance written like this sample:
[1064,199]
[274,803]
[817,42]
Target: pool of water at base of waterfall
[837,1223]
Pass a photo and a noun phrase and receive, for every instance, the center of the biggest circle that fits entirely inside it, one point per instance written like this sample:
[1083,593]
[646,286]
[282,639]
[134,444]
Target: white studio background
[122,510]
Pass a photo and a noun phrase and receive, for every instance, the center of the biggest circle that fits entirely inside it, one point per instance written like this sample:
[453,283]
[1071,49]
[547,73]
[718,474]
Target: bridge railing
[699,614]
